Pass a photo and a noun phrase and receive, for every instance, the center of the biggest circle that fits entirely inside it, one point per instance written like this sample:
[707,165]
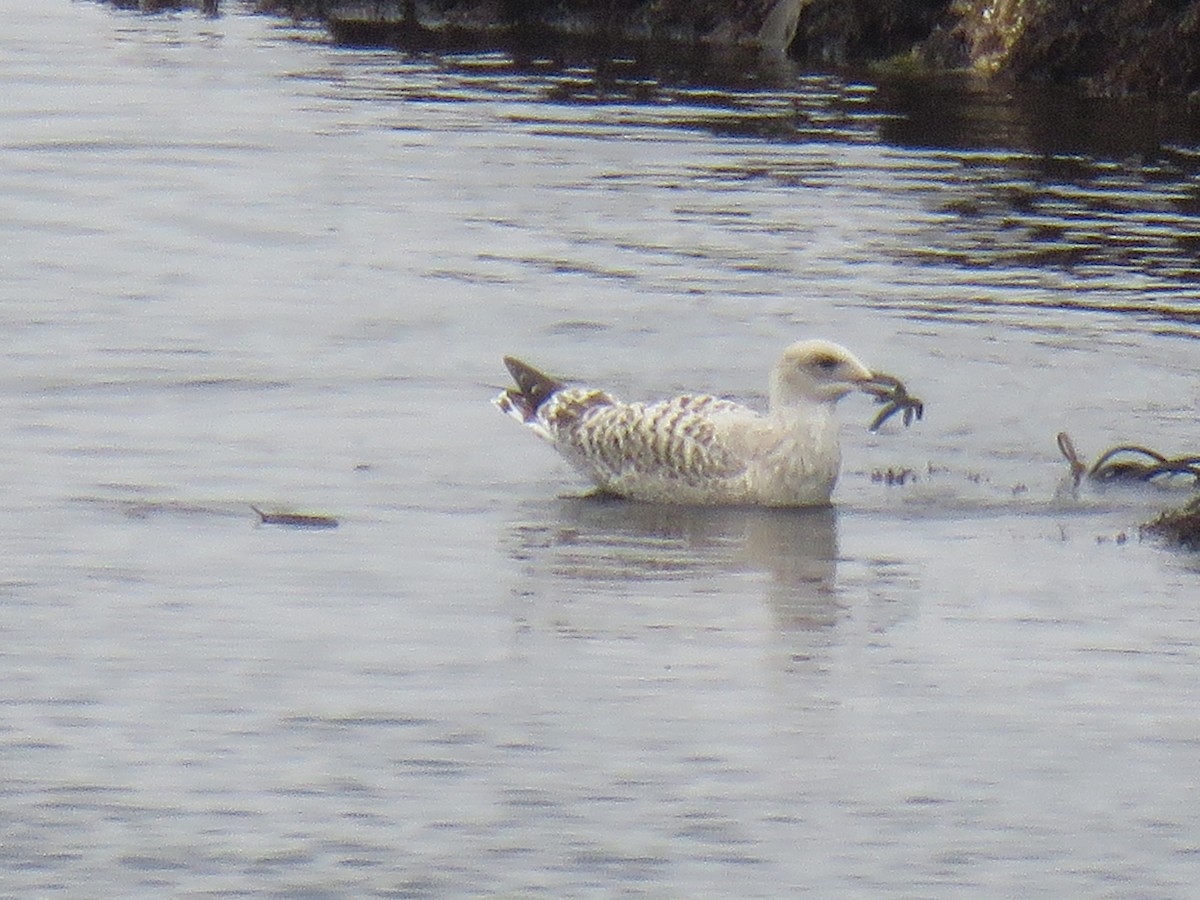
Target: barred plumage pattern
[673,439]
[697,448]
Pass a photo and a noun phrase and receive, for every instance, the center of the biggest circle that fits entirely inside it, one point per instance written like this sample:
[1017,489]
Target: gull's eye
[826,363]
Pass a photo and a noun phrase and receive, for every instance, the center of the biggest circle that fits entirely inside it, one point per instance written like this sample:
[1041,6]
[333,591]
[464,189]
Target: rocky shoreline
[1115,48]
[1147,48]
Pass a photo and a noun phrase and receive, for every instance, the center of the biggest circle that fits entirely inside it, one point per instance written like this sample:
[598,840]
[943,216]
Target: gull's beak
[879,385]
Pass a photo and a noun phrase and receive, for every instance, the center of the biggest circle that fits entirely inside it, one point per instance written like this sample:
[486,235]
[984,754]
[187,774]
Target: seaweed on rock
[1178,526]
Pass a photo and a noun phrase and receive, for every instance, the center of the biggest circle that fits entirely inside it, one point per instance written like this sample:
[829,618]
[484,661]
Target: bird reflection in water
[596,544]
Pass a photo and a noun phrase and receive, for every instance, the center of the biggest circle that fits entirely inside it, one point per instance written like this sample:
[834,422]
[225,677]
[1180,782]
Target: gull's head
[816,372]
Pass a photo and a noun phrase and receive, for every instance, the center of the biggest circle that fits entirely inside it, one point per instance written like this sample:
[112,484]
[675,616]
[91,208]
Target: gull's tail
[533,389]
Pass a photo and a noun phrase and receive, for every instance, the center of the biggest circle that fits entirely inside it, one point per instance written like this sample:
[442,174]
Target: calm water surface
[243,266]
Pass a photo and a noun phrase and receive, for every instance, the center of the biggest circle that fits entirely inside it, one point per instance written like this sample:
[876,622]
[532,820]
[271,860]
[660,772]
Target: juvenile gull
[699,449]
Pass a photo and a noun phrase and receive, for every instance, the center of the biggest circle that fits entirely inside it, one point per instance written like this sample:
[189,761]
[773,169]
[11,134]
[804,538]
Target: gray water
[242,266]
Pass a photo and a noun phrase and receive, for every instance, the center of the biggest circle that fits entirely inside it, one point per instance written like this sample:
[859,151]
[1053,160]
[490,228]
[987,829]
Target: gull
[699,449]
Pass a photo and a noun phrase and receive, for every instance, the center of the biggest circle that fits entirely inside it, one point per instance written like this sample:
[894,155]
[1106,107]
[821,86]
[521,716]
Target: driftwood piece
[1128,462]
[294,520]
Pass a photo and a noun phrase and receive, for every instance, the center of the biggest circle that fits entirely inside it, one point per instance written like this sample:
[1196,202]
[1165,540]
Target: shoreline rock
[1180,527]
[1119,48]
[1116,48]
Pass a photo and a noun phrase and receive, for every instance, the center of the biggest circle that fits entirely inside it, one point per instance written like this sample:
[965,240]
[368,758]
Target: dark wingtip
[536,387]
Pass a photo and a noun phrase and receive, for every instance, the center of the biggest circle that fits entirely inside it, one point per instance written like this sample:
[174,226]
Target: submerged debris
[1128,463]
[891,392]
[294,520]
[892,476]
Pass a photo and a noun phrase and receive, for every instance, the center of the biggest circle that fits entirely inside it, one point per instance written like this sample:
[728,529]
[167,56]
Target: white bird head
[817,372]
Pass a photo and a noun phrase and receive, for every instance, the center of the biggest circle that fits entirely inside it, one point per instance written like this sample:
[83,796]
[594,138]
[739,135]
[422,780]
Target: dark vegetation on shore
[1116,48]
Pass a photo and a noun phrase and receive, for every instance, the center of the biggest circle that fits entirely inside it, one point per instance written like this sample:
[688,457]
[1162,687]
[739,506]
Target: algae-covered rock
[1117,47]
[1108,47]
[848,31]
[766,24]
[1178,526]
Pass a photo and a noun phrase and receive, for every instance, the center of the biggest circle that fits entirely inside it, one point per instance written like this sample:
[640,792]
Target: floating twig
[1115,464]
[890,391]
[294,520]
[1130,462]
[1067,448]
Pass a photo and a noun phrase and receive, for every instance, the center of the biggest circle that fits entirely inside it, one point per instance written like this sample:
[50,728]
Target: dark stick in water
[1109,468]
[295,520]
